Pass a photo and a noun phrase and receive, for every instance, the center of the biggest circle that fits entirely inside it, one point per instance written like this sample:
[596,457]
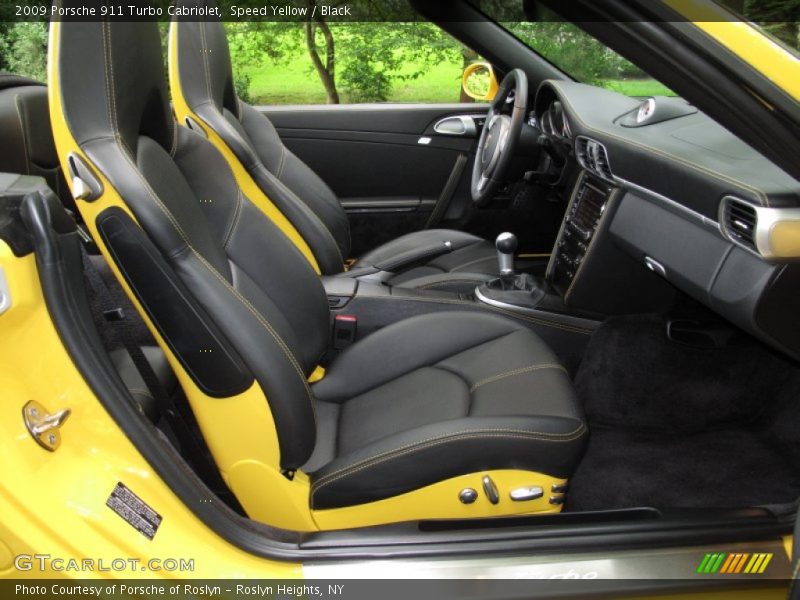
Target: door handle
[460,125]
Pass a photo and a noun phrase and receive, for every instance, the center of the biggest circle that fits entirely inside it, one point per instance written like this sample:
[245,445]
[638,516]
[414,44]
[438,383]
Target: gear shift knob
[506,244]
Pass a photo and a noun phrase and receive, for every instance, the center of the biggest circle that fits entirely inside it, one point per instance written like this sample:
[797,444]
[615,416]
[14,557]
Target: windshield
[585,59]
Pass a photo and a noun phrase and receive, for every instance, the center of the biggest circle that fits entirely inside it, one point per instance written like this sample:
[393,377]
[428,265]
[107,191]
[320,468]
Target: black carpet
[678,426]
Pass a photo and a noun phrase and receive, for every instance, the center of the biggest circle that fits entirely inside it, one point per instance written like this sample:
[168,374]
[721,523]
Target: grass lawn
[638,87]
[296,82]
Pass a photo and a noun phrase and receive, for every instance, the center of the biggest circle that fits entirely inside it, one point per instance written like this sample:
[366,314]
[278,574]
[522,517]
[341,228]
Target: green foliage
[574,51]
[23,48]
[380,55]
[371,59]
[779,18]
[252,44]
[241,82]
[478,82]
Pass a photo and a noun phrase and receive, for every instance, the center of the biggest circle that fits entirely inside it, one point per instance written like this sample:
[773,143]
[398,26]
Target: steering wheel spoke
[499,137]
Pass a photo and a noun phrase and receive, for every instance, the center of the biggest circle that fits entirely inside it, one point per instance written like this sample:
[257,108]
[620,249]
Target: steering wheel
[499,137]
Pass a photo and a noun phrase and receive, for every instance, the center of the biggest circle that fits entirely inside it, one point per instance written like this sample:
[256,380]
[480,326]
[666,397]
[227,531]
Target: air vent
[593,156]
[740,221]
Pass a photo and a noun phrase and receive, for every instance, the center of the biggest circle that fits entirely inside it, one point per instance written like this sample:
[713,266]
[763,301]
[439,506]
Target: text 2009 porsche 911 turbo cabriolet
[552,329]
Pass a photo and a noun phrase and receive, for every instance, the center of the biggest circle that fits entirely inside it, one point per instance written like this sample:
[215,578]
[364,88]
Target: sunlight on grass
[296,82]
[638,87]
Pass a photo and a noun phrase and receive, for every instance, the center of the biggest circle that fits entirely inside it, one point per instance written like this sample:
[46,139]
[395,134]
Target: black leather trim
[251,284]
[12,80]
[413,460]
[202,350]
[13,190]
[481,393]
[423,247]
[205,78]
[206,82]
[28,146]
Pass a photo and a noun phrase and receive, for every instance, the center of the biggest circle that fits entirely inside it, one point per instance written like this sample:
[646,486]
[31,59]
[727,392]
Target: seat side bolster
[423,456]
[313,231]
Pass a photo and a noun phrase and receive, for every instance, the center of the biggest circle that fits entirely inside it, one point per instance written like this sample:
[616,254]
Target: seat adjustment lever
[490,489]
[523,494]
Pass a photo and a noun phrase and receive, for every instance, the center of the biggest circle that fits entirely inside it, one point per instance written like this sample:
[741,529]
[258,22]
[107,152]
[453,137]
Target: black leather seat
[421,401]
[204,80]
[27,146]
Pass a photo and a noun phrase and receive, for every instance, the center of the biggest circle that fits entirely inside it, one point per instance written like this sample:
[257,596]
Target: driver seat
[293,195]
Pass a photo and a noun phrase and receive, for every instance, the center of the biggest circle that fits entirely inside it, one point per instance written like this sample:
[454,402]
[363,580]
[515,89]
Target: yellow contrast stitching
[432,442]
[282,162]
[23,131]
[448,281]
[204,51]
[528,369]
[488,307]
[237,211]
[720,176]
[472,262]
[128,155]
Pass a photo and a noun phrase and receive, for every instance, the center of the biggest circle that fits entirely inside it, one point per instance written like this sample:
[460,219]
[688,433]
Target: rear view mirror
[479,81]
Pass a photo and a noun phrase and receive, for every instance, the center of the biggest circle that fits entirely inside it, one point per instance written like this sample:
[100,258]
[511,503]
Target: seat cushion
[437,396]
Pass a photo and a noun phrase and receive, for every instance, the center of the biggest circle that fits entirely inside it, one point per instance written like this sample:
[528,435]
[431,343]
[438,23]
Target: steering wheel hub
[496,139]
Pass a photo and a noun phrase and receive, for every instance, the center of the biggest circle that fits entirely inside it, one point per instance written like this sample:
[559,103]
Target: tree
[360,60]
[326,71]
[468,56]
[781,18]
[574,51]
[23,47]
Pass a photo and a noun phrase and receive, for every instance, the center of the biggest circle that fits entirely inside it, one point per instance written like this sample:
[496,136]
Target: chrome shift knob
[506,244]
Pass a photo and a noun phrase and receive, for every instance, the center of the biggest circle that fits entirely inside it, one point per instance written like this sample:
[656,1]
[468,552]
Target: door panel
[385,162]
[390,183]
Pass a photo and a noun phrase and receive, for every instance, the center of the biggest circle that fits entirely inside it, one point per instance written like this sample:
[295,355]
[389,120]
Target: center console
[522,292]
[580,226]
[588,274]
[587,278]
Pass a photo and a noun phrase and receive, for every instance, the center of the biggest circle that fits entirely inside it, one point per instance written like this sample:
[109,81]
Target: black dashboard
[668,188]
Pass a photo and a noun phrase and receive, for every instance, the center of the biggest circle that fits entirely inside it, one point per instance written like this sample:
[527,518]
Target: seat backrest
[230,297]
[27,146]
[202,86]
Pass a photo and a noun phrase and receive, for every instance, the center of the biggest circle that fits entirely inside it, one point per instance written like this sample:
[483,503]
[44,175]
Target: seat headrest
[11,80]
[204,61]
[113,83]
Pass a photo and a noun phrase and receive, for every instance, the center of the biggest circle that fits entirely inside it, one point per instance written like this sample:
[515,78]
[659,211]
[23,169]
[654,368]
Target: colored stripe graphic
[731,564]
[711,562]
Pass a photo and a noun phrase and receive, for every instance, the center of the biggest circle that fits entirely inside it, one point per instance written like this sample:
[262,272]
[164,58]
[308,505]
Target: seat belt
[120,330]
[449,190]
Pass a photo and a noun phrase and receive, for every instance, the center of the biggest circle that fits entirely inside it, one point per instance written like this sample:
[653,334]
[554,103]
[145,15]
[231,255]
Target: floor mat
[676,426]
[730,468]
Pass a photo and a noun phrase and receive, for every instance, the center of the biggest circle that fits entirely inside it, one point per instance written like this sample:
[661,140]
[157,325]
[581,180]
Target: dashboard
[668,188]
